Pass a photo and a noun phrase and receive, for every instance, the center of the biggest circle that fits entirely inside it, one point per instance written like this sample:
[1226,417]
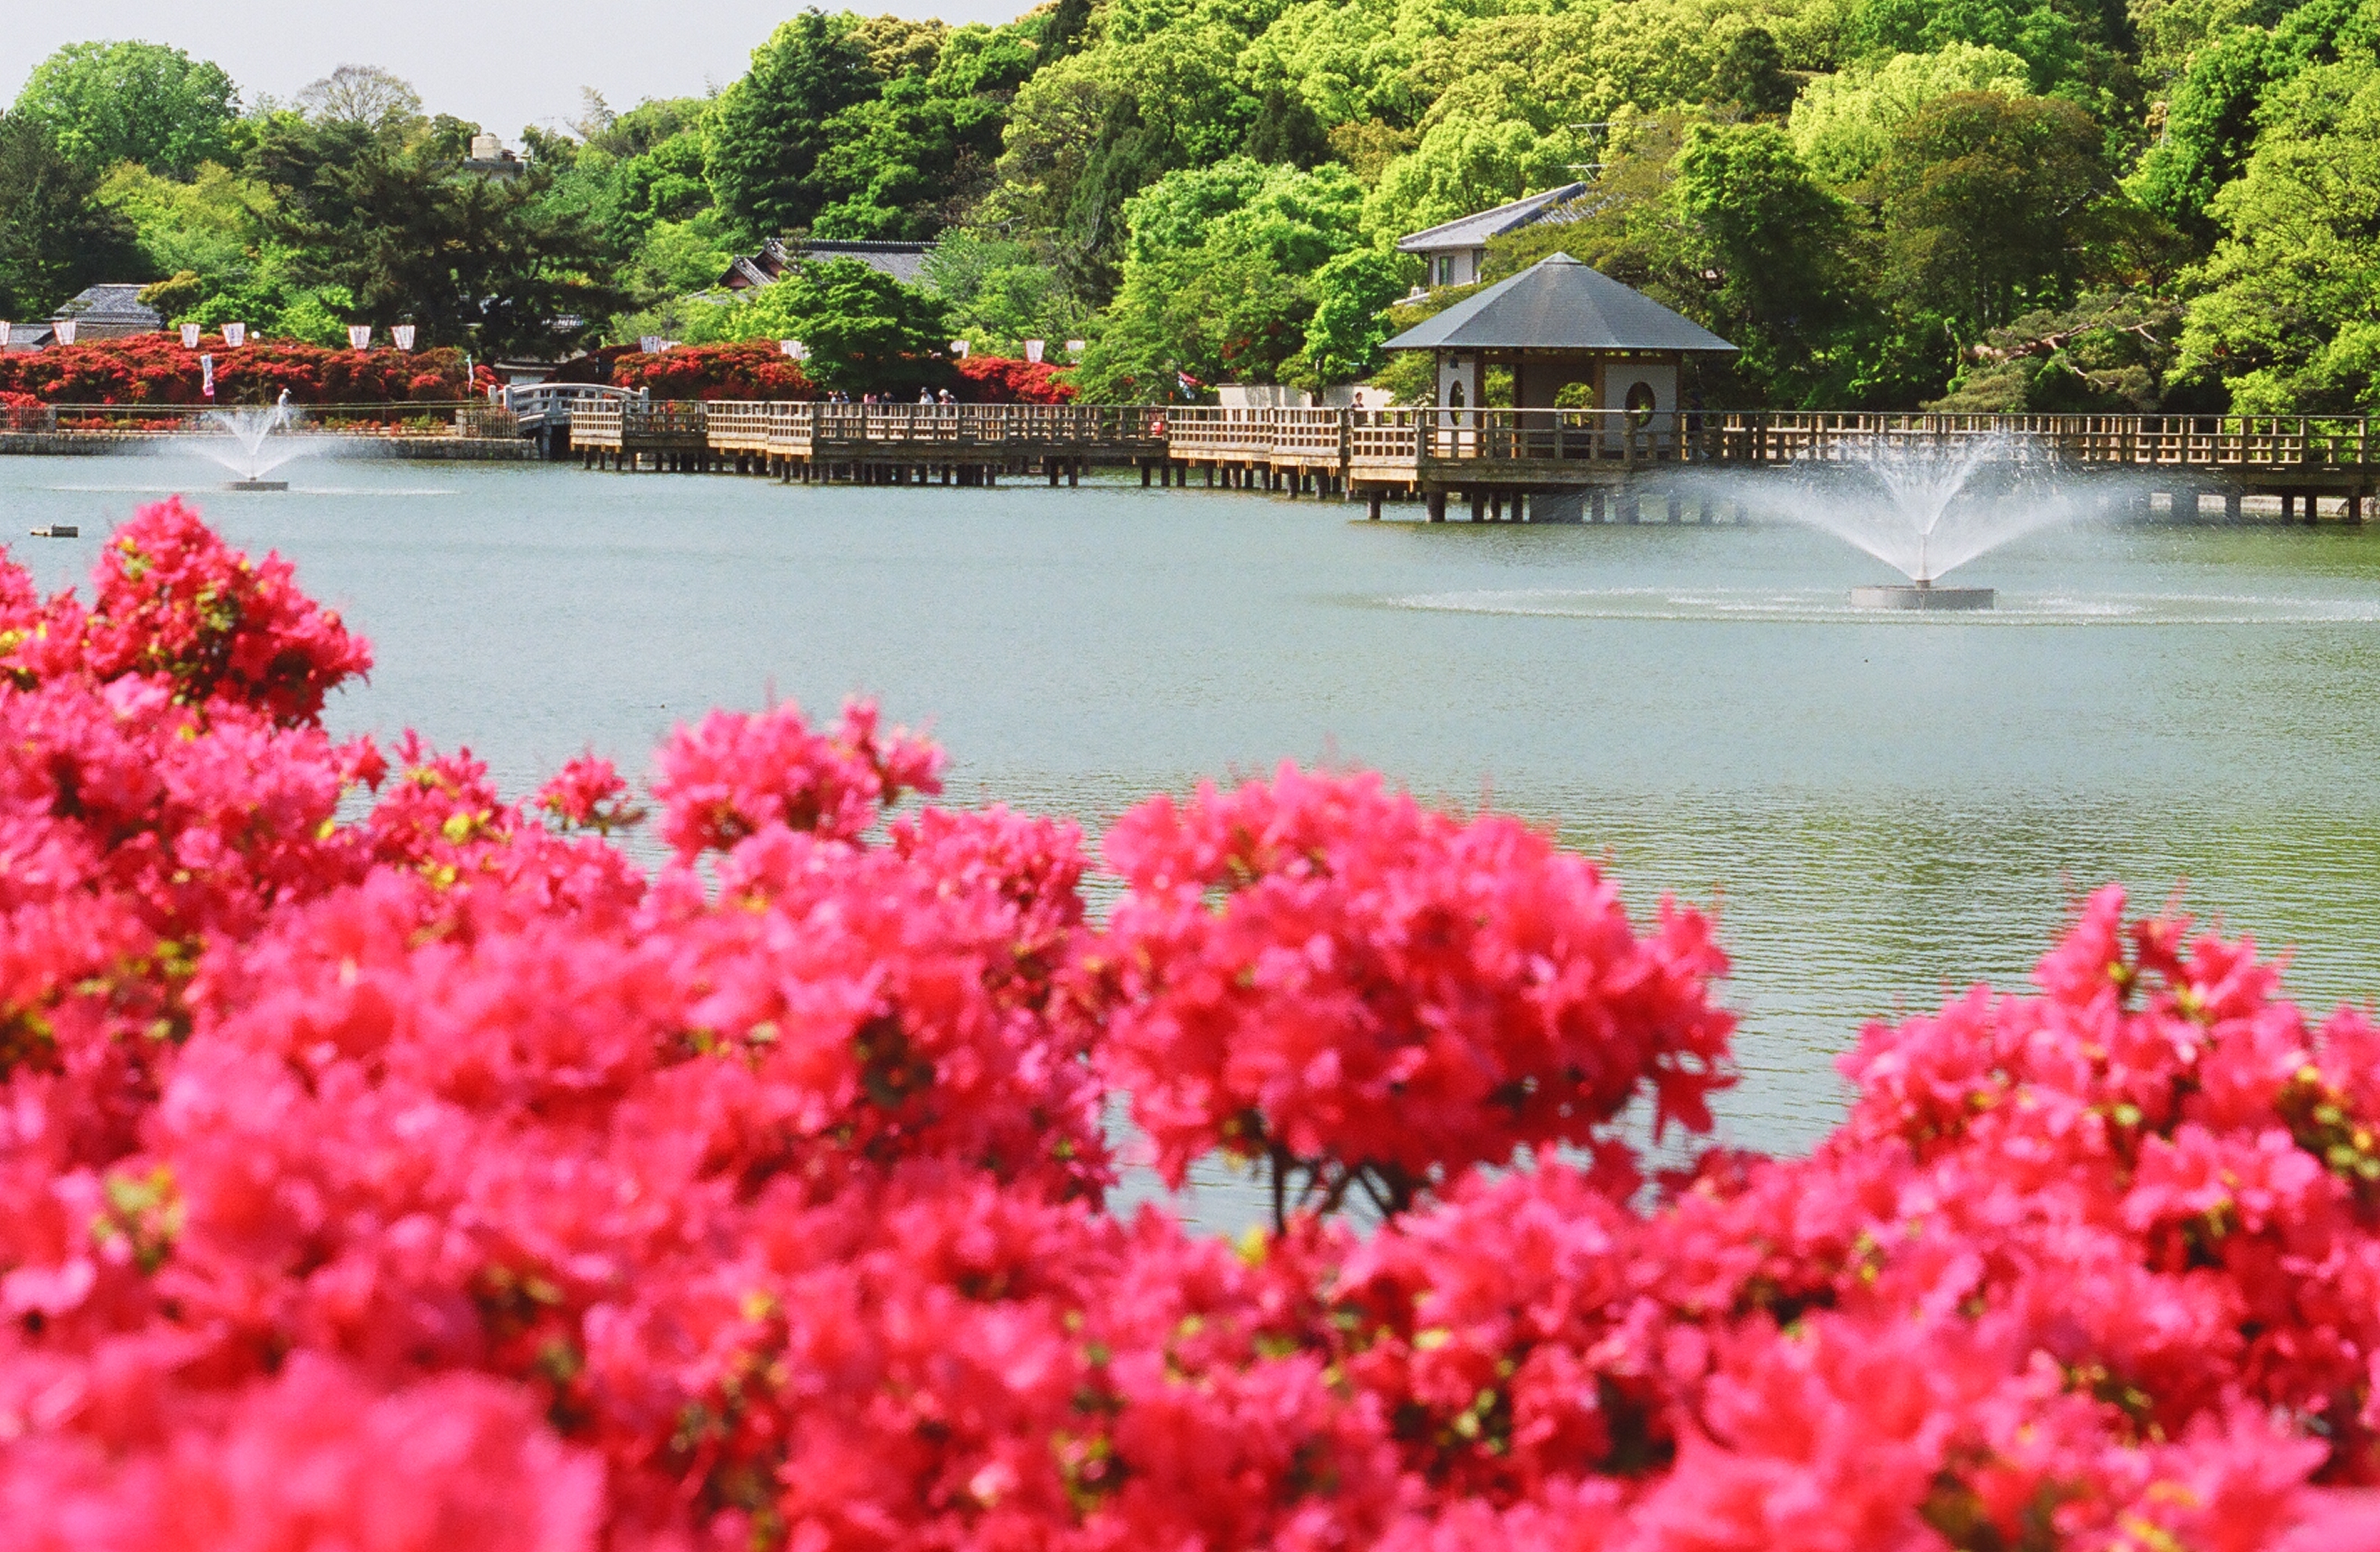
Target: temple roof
[1472,231]
[117,304]
[1559,304]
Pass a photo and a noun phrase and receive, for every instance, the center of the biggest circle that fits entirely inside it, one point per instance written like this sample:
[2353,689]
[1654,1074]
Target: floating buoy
[58,530]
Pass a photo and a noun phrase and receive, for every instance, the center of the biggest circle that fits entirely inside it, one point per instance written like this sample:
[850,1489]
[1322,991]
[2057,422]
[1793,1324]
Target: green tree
[1773,249]
[102,104]
[385,215]
[1842,123]
[55,238]
[1352,297]
[1287,130]
[1088,132]
[2109,353]
[210,225]
[909,161]
[1001,295]
[865,332]
[1219,275]
[1751,74]
[2290,312]
[2062,44]
[1991,206]
[1464,165]
[772,125]
[2213,115]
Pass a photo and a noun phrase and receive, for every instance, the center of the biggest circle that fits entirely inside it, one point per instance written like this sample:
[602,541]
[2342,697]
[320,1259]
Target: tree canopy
[102,104]
[1883,202]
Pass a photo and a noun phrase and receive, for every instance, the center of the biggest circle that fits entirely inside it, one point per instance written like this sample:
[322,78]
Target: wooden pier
[875,444]
[1566,465]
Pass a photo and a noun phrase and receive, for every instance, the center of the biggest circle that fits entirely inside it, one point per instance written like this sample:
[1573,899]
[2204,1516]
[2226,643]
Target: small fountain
[253,452]
[1924,508]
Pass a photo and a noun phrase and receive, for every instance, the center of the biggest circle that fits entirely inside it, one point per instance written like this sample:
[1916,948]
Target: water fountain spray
[247,447]
[1924,507]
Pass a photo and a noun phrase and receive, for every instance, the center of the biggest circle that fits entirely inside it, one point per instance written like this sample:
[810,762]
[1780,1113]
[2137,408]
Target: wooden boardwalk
[1486,456]
[963,444]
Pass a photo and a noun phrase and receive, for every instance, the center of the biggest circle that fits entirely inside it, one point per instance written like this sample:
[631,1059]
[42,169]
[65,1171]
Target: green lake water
[1883,808]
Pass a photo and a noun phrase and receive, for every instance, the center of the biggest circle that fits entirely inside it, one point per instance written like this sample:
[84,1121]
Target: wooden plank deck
[1426,451]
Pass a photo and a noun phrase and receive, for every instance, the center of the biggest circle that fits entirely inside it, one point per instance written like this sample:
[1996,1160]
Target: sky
[501,63]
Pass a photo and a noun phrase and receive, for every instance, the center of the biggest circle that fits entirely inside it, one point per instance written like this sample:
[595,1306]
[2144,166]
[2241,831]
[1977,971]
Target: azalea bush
[750,369]
[155,370]
[1010,380]
[391,1163]
[760,370]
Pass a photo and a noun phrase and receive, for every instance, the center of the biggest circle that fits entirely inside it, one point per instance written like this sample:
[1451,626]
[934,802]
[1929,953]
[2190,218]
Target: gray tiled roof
[1559,304]
[1472,231]
[904,261]
[112,304]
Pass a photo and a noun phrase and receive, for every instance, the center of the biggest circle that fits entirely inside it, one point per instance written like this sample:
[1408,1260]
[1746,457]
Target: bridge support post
[2232,504]
[1677,508]
[2355,507]
[1436,502]
[1479,505]
[2313,508]
[1372,506]
[2288,506]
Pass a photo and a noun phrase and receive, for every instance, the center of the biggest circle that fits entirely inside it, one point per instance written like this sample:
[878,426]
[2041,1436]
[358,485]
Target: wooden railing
[2213,441]
[466,418]
[613,424]
[1524,445]
[798,430]
[540,405]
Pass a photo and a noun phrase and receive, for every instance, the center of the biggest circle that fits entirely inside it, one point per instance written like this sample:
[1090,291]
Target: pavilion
[1560,322]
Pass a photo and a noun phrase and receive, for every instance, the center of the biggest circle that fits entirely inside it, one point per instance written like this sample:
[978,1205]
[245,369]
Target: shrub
[155,370]
[389,1164]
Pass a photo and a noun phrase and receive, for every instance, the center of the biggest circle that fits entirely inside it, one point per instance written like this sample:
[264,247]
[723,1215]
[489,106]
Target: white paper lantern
[403,334]
[5,327]
[359,336]
[1033,349]
[959,349]
[66,329]
[189,336]
[234,335]
[1076,347]
[794,350]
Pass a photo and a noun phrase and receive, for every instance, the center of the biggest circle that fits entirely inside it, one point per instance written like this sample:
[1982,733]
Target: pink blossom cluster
[393,1165]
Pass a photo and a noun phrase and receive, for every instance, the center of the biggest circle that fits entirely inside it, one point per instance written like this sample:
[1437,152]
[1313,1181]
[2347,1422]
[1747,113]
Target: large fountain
[1925,508]
[252,441]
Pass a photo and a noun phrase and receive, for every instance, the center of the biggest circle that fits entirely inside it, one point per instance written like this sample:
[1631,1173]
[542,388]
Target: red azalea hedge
[760,370]
[155,369]
[751,369]
[1005,379]
[418,1171]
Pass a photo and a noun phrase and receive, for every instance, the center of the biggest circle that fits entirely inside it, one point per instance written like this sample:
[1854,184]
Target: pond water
[1883,808]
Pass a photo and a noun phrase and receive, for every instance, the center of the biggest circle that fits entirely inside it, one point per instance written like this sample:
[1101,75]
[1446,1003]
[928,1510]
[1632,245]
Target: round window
[1640,400]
